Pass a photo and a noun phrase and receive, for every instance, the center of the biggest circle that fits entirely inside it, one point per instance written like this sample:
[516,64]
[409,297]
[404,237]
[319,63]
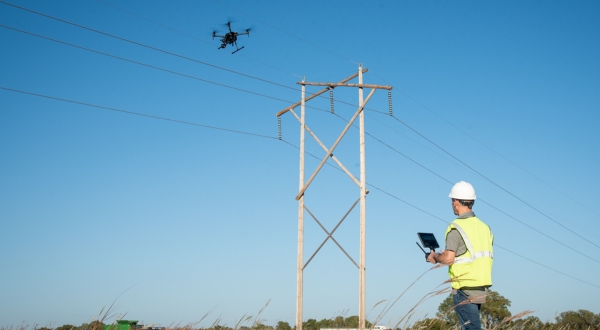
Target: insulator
[331,98]
[390,101]
[279,126]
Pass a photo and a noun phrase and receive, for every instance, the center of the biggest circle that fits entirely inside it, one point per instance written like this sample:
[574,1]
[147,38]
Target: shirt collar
[466,215]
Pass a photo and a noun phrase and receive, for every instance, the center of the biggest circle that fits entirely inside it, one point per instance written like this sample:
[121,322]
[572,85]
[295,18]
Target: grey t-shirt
[454,241]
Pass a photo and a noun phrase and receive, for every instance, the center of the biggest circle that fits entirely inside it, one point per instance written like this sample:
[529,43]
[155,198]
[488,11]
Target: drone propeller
[247,31]
[228,24]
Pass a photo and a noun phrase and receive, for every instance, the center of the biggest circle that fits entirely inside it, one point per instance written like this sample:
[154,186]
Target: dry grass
[254,322]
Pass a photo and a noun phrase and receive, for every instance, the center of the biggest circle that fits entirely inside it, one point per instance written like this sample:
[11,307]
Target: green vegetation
[495,316]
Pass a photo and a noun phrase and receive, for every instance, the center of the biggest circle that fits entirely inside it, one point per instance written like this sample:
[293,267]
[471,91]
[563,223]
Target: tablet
[428,240]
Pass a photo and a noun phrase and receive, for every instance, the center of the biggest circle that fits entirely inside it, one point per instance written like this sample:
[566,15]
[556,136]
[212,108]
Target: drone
[230,38]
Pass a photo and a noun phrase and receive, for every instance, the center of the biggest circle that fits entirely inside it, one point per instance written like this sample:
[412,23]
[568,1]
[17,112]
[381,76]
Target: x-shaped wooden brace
[330,235]
[329,153]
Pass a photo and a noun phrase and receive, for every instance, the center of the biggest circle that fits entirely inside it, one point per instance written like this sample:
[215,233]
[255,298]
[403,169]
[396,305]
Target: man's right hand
[431,257]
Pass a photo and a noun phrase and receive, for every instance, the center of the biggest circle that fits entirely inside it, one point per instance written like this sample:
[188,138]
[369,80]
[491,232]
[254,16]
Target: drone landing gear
[237,50]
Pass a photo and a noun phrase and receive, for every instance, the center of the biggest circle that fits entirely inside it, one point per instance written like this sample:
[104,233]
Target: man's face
[454,205]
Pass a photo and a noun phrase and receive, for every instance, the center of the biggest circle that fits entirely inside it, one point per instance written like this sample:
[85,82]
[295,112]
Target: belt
[473,288]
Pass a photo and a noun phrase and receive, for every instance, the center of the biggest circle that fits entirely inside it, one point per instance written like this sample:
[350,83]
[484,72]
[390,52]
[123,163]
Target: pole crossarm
[325,148]
[389,88]
[330,235]
[317,94]
[330,152]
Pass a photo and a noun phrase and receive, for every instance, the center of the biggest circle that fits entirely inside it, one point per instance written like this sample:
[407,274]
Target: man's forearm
[444,258]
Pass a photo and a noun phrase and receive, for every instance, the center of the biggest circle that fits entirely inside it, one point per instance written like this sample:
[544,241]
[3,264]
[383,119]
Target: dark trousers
[468,314]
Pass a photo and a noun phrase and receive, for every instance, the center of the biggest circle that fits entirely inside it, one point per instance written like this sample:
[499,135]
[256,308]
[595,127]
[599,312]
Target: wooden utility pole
[361,183]
[363,205]
[299,281]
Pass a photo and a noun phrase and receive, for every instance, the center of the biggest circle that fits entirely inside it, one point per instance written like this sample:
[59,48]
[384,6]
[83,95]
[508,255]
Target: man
[469,256]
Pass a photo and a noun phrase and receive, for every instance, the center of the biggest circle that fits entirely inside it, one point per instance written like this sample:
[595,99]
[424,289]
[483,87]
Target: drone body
[230,38]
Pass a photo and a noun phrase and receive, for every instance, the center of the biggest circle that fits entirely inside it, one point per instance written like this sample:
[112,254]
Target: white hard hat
[463,190]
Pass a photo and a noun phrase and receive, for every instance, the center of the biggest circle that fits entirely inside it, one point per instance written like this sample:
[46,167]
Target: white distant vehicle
[381,327]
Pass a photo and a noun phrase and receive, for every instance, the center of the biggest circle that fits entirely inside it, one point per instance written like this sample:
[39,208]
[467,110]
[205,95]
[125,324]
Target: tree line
[494,315]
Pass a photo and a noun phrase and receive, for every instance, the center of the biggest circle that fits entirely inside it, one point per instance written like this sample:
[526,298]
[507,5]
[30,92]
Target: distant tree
[44,328]
[582,319]
[492,312]
[351,321]
[338,322]
[220,327]
[260,326]
[310,324]
[94,325]
[66,327]
[530,323]
[495,308]
[326,323]
[282,325]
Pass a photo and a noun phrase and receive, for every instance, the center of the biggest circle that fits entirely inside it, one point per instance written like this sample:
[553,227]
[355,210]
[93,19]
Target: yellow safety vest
[474,267]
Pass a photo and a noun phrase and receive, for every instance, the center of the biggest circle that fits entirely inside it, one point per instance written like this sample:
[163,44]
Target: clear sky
[174,220]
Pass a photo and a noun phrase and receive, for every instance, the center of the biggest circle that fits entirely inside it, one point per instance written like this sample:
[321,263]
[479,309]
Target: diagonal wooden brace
[325,148]
[330,152]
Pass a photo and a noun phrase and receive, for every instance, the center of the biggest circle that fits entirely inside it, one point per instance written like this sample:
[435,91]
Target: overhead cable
[496,184]
[267,96]
[290,34]
[191,36]
[148,65]
[274,138]
[446,222]
[144,45]
[137,113]
[414,100]
[450,182]
[170,53]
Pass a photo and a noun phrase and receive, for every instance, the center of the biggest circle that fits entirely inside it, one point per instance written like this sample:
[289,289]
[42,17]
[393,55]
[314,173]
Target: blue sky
[173,220]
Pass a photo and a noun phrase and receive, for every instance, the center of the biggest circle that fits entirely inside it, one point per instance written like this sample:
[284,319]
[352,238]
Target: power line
[149,65]
[485,177]
[175,72]
[450,182]
[490,148]
[142,45]
[223,85]
[268,97]
[146,46]
[266,64]
[154,22]
[191,36]
[515,196]
[290,34]
[446,222]
[136,43]
[272,138]
[496,184]
[138,113]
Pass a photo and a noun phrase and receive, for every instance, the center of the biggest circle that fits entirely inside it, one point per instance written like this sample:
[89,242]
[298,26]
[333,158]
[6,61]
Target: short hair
[467,203]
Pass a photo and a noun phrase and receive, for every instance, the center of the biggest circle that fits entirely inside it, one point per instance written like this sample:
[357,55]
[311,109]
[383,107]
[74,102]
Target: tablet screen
[428,240]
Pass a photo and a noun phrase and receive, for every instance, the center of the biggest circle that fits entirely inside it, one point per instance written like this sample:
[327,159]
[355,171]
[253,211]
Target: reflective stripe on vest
[474,255]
